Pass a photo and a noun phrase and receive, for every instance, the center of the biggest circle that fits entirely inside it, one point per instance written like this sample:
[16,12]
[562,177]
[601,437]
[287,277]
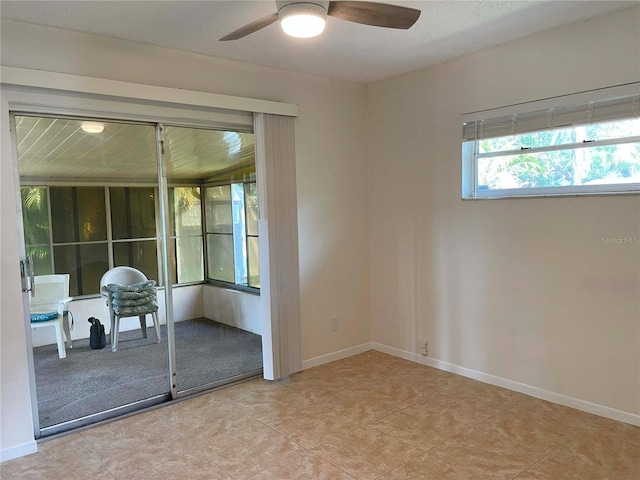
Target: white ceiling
[445,30]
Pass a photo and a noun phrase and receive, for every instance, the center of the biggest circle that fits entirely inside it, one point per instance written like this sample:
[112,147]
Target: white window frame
[470,155]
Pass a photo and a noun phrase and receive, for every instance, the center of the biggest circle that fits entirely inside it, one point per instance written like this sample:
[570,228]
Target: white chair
[117,298]
[48,307]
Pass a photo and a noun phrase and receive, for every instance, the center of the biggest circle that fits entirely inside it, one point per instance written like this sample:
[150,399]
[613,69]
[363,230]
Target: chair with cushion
[129,294]
[48,307]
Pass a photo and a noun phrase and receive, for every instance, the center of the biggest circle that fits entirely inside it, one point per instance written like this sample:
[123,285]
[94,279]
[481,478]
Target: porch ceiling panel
[58,150]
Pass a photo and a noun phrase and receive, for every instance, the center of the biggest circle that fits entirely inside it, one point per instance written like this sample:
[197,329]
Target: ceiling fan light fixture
[303,20]
[92,127]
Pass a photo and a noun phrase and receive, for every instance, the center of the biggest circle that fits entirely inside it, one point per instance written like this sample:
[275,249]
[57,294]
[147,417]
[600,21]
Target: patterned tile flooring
[371,416]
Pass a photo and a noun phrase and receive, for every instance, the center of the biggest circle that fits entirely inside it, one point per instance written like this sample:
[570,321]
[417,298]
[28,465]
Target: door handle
[32,276]
[26,269]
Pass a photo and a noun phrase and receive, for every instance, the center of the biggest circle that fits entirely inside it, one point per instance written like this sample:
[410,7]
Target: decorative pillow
[136,310]
[148,286]
[117,301]
[130,300]
[126,295]
[43,317]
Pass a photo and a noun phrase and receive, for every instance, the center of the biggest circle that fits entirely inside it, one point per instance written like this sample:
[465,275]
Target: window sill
[552,192]
[232,286]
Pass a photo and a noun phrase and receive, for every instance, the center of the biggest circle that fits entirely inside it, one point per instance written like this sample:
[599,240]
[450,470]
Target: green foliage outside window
[70,235]
[617,163]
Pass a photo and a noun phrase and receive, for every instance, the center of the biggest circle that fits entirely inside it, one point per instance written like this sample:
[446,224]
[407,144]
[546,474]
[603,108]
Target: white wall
[232,307]
[520,289]
[16,423]
[330,168]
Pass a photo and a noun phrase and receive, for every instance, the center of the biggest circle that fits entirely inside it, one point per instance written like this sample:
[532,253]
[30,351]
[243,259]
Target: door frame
[44,100]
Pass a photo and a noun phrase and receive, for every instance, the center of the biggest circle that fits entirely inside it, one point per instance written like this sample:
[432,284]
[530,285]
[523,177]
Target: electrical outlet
[424,347]
[335,325]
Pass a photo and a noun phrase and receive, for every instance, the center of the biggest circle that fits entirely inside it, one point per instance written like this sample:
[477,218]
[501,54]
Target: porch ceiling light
[92,127]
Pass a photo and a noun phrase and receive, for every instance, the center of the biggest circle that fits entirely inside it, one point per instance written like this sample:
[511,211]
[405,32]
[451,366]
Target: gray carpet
[91,381]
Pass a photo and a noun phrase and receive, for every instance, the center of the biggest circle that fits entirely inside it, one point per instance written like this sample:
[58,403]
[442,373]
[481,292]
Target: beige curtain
[279,266]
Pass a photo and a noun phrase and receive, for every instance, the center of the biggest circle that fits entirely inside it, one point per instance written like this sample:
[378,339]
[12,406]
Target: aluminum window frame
[213,281]
[109,241]
[470,147]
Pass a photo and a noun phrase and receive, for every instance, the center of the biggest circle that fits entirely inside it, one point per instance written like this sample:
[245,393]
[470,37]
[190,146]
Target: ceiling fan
[306,18]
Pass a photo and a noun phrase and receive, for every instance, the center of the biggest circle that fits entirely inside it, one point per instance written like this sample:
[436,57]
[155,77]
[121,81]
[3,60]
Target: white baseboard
[16,451]
[565,400]
[339,355]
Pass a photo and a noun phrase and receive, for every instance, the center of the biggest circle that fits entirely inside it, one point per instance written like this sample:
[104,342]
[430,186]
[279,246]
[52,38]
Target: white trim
[44,101]
[564,146]
[396,352]
[541,192]
[536,392]
[17,451]
[339,355]
[99,86]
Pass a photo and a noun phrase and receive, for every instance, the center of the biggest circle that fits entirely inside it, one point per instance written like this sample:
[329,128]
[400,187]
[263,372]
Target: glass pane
[66,261]
[612,164]
[141,255]
[186,211]
[62,215]
[41,255]
[35,215]
[220,261]
[608,130]
[254,262]
[62,151]
[190,259]
[85,263]
[172,260]
[133,212]
[251,203]
[92,217]
[214,155]
[78,214]
[239,246]
[218,209]
[207,351]
[94,259]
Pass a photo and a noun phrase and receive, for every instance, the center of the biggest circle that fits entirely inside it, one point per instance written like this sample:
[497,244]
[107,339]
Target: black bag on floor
[97,337]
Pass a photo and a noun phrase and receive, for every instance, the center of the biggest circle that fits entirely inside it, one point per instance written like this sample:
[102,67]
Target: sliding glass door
[90,196]
[216,338]
[176,205]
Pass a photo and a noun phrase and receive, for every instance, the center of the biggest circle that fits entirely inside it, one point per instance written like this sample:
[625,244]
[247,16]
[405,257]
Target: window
[37,230]
[251,216]
[133,229]
[76,235]
[79,235]
[186,234]
[231,213]
[583,148]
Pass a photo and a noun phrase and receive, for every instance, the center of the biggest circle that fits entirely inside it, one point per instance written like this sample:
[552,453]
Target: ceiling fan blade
[375,14]
[251,28]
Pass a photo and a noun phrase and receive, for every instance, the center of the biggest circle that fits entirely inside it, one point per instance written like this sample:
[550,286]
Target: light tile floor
[371,416]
